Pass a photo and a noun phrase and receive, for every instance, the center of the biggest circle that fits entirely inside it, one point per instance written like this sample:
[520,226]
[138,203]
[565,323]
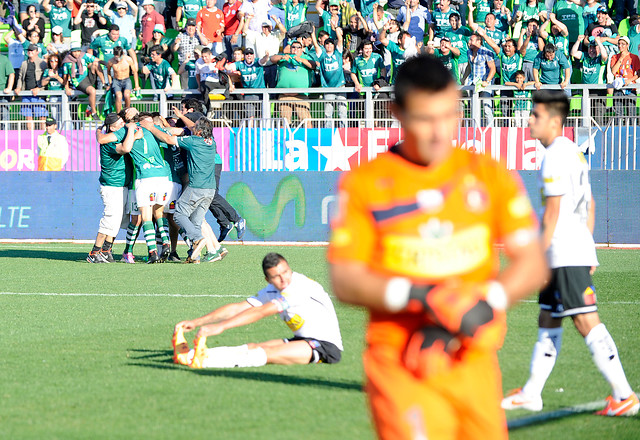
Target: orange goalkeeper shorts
[462,403]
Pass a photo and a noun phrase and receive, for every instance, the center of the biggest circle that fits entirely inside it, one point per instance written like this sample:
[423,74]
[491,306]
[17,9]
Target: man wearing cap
[604,28]
[126,21]
[252,77]
[329,14]
[266,44]
[233,24]
[150,19]
[116,172]
[594,65]
[188,9]
[625,67]
[60,15]
[210,21]
[447,54]
[58,44]
[256,13]
[186,41]
[53,148]
[30,78]
[89,20]
[81,73]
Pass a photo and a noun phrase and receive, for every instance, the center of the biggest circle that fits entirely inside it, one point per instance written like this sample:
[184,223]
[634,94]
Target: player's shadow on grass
[44,254]
[162,360]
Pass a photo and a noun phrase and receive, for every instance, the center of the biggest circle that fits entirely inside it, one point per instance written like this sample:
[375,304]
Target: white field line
[629,303]
[560,413]
[159,295]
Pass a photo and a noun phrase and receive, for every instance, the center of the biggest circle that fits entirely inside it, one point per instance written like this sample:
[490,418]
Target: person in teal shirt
[252,77]
[634,34]
[81,72]
[295,13]
[447,55]
[32,38]
[160,70]
[594,66]
[367,68]
[551,67]
[115,178]
[397,50]
[482,8]
[570,15]
[559,35]
[441,23]
[196,198]
[102,47]
[459,37]
[59,15]
[503,16]
[53,79]
[529,45]
[331,75]
[332,14]
[522,99]
[189,9]
[489,28]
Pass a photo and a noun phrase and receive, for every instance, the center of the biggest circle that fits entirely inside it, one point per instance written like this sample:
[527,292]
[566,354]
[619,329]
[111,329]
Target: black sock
[106,246]
[95,249]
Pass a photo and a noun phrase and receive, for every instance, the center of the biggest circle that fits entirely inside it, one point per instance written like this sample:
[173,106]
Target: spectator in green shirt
[447,54]
[367,68]
[294,72]
[160,70]
[551,67]
[459,37]
[522,98]
[81,73]
[7,78]
[53,79]
[60,15]
[594,65]
[559,35]
[529,45]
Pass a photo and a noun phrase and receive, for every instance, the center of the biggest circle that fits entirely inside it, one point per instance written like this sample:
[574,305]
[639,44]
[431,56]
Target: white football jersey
[565,172]
[305,307]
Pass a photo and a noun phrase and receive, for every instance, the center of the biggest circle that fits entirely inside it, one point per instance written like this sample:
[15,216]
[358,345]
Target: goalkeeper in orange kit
[413,242]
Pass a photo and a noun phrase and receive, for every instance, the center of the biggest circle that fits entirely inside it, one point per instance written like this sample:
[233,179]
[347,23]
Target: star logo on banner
[337,154]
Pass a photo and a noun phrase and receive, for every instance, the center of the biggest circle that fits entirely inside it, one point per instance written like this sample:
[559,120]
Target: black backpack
[302,28]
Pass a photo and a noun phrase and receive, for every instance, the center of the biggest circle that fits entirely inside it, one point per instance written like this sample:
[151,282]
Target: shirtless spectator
[119,69]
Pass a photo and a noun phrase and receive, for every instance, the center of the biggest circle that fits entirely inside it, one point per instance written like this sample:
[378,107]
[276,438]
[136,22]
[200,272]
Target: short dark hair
[402,34]
[549,47]
[423,73]
[554,101]
[533,20]
[271,260]
[490,13]
[114,27]
[454,14]
[367,43]
[519,72]
[206,50]
[192,104]
[143,115]
[117,51]
[512,41]
[322,34]
[158,49]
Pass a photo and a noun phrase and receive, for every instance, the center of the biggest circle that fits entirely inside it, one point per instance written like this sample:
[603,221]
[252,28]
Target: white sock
[543,359]
[605,355]
[222,357]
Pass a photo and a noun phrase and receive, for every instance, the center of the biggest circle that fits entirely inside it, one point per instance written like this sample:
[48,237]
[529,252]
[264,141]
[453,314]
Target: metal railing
[494,125]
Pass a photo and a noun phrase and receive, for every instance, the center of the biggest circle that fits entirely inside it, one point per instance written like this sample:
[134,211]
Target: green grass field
[97,364]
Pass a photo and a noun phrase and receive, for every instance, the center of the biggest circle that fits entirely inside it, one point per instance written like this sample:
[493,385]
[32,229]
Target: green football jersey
[74,73]
[113,166]
[252,75]
[161,73]
[201,158]
[61,17]
[509,66]
[147,158]
[103,46]
[190,8]
[460,40]
[369,70]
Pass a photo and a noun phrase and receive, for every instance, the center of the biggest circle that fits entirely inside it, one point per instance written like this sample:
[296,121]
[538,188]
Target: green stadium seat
[623,27]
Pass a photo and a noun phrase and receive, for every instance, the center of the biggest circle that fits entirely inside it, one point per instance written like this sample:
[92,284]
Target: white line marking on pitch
[557,414]
[174,295]
[628,303]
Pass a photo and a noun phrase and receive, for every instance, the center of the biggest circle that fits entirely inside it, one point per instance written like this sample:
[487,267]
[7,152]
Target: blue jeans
[228,47]
[191,208]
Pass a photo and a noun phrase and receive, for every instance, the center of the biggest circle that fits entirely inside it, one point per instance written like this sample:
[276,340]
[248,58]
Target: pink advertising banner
[19,149]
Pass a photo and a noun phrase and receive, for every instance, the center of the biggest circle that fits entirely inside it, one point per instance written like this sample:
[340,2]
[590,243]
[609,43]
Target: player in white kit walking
[567,233]
[301,303]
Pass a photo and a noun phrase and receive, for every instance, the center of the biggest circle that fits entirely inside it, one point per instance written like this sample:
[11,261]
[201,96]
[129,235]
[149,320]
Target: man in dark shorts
[567,235]
[119,69]
[81,71]
[306,309]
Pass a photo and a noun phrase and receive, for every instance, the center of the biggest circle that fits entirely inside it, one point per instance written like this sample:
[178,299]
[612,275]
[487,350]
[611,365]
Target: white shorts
[132,204]
[152,191]
[174,195]
[114,199]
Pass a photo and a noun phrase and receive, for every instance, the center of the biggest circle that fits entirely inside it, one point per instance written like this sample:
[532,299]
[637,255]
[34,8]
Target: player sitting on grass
[567,235]
[301,303]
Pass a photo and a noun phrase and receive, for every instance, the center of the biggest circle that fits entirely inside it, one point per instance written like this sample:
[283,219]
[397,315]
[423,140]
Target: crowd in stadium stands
[214,48]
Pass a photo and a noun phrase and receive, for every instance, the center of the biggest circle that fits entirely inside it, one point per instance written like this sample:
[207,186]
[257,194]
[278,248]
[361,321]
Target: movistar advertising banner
[278,206]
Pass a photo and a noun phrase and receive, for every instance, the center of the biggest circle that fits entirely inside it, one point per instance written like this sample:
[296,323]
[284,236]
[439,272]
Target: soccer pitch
[87,353]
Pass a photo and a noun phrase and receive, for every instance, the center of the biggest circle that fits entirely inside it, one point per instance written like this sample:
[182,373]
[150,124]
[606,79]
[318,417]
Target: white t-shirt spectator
[268,43]
[258,11]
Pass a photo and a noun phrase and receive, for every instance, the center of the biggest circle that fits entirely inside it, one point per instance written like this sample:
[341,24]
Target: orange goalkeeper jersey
[427,224]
